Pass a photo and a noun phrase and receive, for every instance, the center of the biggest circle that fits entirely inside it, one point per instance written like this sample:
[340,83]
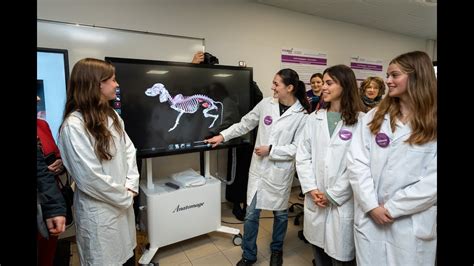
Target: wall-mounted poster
[304,61]
[366,67]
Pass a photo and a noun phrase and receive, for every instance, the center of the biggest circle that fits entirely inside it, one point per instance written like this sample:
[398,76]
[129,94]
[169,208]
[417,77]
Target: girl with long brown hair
[322,169]
[100,157]
[392,167]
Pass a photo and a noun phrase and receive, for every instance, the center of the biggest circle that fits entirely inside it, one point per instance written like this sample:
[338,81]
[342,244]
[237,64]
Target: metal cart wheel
[237,240]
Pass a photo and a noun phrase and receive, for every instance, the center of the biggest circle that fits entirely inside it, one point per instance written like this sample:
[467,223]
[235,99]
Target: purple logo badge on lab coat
[267,120]
[382,140]
[345,134]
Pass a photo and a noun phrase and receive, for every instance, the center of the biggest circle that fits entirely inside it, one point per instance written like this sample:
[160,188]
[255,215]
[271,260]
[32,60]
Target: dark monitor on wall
[170,107]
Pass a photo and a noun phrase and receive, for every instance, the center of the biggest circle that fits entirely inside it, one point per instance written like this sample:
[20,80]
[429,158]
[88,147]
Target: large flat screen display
[171,107]
[52,75]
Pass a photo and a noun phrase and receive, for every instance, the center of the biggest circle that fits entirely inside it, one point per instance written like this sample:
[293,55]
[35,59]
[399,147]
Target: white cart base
[170,215]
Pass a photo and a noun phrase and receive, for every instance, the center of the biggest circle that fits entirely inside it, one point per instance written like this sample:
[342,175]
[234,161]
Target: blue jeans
[249,241]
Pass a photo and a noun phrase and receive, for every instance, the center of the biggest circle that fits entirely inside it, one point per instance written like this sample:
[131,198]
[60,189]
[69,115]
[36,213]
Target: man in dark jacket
[50,199]
[237,191]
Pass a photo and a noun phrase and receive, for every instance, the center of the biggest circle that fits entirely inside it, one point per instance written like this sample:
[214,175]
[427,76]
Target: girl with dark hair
[280,121]
[314,95]
[392,165]
[322,170]
[100,157]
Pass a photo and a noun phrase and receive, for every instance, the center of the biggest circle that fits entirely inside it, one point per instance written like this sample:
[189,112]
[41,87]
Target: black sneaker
[245,262]
[238,213]
[276,258]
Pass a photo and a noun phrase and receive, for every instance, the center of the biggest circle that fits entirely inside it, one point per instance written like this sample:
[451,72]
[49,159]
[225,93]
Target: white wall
[235,30]
[89,41]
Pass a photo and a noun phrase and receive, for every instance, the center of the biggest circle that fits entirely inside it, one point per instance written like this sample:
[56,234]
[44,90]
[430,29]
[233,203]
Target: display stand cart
[170,215]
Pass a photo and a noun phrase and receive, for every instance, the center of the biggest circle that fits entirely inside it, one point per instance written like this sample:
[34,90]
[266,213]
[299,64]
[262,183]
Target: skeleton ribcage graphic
[184,104]
[189,105]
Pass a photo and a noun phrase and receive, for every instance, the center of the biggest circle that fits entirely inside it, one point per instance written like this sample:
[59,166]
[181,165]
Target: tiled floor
[217,248]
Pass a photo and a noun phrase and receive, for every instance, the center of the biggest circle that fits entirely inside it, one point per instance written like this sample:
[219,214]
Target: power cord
[232,170]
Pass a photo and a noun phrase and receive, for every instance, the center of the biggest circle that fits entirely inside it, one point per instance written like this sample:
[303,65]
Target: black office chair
[297,205]
[298,216]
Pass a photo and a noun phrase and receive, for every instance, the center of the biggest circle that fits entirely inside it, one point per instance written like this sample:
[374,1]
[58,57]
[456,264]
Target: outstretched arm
[216,140]
[247,123]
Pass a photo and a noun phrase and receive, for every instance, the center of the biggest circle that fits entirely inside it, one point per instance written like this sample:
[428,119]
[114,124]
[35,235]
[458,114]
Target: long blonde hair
[84,95]
[422,97]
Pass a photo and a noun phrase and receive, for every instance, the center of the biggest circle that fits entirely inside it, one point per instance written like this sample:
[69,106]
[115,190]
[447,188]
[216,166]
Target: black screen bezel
[225,145]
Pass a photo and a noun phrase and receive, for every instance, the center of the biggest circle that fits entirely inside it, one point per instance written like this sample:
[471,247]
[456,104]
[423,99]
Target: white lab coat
[104,218]
[403,178]
[321,164]
[271,176]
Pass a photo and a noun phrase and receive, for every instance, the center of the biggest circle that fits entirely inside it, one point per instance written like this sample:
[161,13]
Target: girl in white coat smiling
[280,121]
[100,157]
[392,166]
[322,171]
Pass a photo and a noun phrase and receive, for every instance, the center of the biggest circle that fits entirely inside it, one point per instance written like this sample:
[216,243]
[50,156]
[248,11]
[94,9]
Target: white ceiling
[416,18]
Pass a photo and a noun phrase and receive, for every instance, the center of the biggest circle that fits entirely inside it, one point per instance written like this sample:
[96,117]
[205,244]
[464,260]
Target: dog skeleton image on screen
[186,104]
